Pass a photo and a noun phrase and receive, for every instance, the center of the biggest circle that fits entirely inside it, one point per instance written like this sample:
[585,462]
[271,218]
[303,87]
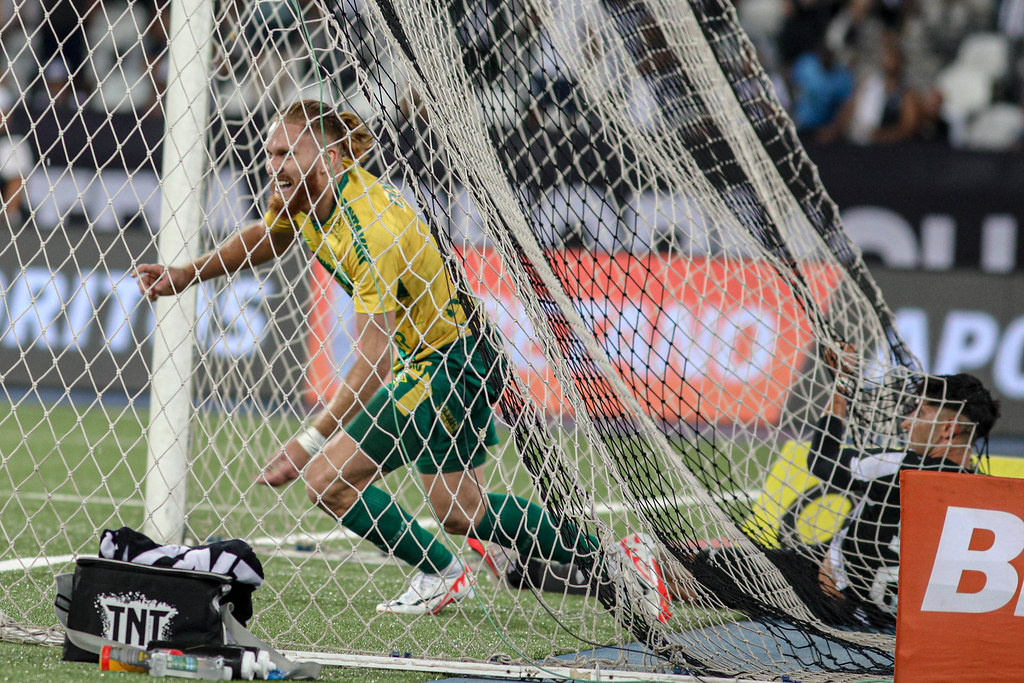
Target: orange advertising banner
[722,337]
[961,613]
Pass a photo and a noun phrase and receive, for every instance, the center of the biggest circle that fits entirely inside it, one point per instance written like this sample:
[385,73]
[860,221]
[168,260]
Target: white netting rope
[437,128]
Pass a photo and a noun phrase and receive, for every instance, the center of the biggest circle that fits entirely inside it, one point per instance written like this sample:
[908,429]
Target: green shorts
[434,412]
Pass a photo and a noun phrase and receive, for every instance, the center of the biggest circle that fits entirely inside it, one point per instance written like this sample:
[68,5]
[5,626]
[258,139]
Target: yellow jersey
[382,254]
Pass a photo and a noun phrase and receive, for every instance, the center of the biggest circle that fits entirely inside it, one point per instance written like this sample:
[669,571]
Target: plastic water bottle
[188,666]
[126,658]
[256,665]
[247,663]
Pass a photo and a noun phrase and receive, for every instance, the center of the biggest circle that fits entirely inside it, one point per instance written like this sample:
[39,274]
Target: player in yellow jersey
[435,412]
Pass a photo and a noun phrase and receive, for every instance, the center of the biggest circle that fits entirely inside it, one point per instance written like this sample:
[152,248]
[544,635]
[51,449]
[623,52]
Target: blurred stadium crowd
[74,53]
[884,71]
[857,71]
[867,71]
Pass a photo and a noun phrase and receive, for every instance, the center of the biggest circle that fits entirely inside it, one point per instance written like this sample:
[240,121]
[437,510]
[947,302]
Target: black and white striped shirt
[865,554]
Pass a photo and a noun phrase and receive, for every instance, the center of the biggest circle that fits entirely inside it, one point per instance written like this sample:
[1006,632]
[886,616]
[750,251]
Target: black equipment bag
[134,604]
[112,602]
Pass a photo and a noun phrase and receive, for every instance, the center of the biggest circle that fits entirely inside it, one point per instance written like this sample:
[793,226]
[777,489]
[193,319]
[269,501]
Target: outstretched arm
[827,459]
[367,375]
[252,245]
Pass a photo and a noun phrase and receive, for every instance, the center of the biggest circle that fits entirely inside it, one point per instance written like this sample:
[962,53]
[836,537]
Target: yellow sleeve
[278,222]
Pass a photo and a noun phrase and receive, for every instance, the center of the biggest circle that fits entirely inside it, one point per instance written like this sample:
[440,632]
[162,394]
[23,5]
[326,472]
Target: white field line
[69,498]
[283,542]
[429,523]
[21,564]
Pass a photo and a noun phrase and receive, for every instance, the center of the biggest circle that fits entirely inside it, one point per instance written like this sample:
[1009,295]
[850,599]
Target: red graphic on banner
[720,338]
[961,613]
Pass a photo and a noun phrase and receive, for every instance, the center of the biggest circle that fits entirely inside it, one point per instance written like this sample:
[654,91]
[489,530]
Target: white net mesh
[641,257]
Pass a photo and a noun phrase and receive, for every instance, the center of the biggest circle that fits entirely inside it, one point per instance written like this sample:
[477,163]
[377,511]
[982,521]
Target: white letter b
[954,557]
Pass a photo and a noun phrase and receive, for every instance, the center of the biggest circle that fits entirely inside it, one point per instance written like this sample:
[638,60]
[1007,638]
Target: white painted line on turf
[430,524]
[603,508]
[69,498]
[337,533]
[23,563]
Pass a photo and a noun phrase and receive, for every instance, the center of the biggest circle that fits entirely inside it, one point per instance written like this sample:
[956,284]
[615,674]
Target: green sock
[515,522]
[381,521]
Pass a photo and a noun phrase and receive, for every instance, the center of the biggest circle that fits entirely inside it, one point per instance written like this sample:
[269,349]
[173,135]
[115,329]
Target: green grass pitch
[82,468]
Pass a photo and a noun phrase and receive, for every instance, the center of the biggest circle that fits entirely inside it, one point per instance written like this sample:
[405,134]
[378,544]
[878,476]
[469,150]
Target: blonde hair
[336,126]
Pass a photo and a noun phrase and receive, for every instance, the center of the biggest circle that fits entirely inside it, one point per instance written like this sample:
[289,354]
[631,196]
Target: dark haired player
[946,422]
[853,583]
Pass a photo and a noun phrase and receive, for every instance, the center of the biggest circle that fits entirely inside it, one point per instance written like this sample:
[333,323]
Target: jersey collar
[338,189]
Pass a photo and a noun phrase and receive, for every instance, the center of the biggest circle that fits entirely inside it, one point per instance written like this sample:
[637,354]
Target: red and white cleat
[430,593]
[497,558]
[637,549]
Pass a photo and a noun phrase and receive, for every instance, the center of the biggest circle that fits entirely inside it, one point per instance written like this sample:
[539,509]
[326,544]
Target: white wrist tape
[311,440]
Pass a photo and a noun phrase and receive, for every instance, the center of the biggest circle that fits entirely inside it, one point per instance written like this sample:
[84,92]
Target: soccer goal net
[634,237]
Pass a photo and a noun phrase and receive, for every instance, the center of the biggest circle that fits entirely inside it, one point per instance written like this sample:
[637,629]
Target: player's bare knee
[314,490]
[457,524]
[317,479]
[327,491]
[335,497]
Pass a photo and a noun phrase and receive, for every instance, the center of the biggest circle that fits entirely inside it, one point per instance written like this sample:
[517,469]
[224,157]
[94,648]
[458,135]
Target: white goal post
[187,117]
[627,218]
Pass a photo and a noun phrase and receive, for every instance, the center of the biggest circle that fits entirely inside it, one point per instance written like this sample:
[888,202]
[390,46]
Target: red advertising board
[724,337]
[960,615]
